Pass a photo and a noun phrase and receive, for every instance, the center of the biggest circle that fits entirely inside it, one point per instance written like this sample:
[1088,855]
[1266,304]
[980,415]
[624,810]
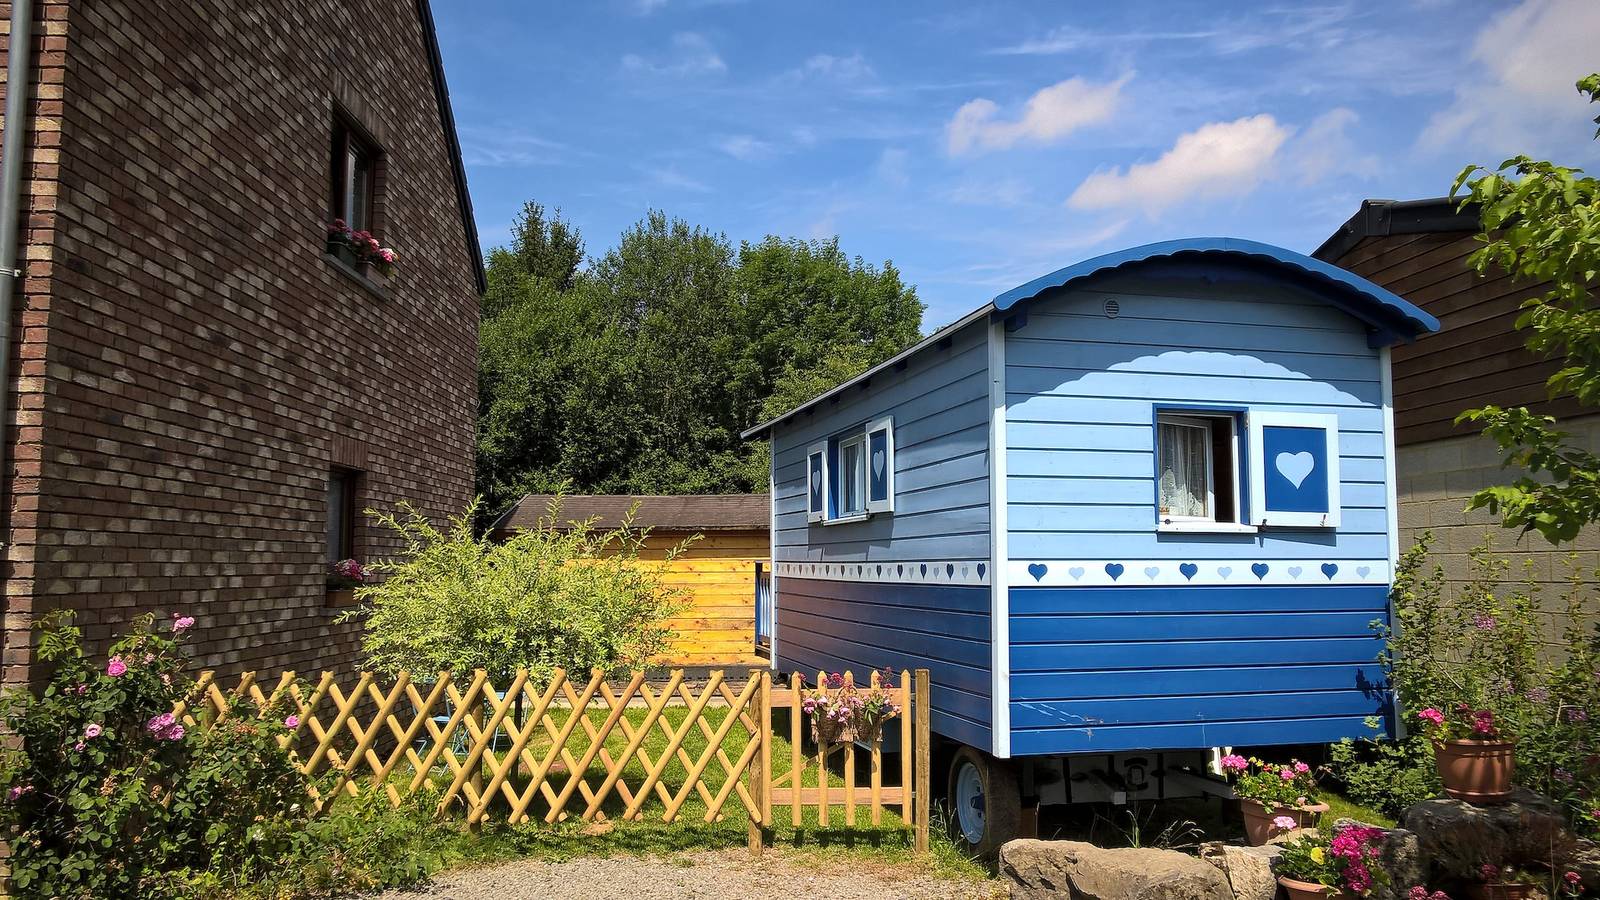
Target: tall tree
[639,375]
[542,250]
[1541,221]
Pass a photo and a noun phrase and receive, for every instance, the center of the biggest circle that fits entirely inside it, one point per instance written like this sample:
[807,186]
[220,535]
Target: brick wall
[1434,480]
[195,362]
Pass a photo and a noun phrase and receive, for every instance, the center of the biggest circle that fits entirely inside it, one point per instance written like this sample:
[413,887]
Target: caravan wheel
[985,806]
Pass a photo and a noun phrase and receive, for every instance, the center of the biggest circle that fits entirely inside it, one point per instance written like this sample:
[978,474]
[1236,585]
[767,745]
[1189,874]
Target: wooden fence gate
[592,749]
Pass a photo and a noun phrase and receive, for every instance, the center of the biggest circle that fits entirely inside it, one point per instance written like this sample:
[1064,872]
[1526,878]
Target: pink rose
[1432,716]
[182,623]
[18,790]
[292,722]
[116,668]
[78,746]
[92,730]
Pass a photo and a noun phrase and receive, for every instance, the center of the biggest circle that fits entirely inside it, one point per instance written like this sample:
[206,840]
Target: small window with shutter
[1294,469]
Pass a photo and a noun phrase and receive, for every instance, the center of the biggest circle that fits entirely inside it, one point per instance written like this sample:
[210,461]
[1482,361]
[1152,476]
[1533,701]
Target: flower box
[338,597]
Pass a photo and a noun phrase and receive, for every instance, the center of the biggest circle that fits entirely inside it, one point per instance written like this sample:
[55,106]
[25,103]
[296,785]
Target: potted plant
[361,251]
[1517,883]
[1344,864]
[1475,759]
[344,577]
[1274,798]
[832,706]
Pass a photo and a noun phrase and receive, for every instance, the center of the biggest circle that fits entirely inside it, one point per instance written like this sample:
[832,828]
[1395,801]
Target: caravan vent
[1112,309]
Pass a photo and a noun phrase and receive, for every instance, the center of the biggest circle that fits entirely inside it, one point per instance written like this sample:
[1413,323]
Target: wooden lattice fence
[593,749]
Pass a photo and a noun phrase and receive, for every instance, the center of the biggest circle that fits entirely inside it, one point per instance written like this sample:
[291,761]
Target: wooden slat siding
[838,625]
[939,405]
[717,577]
[1081,390]
[1150,668]
[1477,357]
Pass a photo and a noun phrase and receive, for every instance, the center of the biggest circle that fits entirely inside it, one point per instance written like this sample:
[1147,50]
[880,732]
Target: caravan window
[852,476]
[1197,466]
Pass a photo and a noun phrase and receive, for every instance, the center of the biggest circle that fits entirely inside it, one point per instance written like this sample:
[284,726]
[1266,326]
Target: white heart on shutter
[1295,466]
[877,463]
[816,481]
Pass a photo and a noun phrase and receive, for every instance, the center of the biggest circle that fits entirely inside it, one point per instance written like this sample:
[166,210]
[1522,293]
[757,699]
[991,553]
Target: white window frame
[818,449]
[856,442]
[1199,418]
[886,505]
[1261,515]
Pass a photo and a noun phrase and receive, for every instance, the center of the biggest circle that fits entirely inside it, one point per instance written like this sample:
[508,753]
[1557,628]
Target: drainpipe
[19,75]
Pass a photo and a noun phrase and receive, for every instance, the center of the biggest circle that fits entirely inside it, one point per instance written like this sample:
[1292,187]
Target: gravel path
[708,874]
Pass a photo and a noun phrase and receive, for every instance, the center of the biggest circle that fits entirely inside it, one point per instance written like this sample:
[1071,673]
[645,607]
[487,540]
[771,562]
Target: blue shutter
[1294,469]
[880,466]
[817,483]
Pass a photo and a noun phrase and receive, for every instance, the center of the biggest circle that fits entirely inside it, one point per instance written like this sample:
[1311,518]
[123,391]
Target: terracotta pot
[1309,890]
[1258,827]
[1500,891]
[1476,771]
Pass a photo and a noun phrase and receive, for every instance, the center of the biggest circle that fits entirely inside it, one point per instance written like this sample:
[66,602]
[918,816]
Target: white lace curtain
[1183,454]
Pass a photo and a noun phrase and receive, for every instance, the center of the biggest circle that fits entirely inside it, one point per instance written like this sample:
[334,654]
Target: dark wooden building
[1419,249]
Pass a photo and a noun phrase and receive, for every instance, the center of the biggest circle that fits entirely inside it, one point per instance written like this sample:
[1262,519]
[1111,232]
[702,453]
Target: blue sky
[978,145]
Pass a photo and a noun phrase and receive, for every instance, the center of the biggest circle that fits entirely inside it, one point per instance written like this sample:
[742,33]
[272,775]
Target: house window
[342,484]
[853,475]
[1197,466]
[353,172]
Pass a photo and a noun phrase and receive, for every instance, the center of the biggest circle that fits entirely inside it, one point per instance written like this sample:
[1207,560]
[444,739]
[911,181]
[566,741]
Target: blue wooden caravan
[1134,509]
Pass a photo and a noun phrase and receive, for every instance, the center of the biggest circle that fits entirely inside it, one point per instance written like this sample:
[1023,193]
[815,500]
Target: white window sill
[1205,528]
[845,520]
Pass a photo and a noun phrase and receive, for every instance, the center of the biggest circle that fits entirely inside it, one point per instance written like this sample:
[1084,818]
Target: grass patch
[1344,808]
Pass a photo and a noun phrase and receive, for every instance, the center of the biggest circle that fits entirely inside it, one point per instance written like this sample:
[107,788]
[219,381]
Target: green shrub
[577,598]
[1486,648]
[110,796]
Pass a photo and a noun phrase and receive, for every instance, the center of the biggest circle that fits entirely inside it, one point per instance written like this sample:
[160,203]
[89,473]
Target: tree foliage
[573,597]
[1541,222]
[639,372]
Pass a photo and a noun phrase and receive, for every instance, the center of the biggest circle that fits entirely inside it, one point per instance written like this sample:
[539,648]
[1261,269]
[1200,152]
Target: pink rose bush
[363,246]
[109,793]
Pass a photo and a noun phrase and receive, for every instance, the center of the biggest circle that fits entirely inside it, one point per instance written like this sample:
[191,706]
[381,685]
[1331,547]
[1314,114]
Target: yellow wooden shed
[718,573]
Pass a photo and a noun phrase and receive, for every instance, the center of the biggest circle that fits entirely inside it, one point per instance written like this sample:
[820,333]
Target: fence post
[760,772]
[924,761]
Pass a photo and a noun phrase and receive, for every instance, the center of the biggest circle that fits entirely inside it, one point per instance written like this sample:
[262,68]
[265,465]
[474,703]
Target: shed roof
[1381,218]
[1395,318]
[690,512]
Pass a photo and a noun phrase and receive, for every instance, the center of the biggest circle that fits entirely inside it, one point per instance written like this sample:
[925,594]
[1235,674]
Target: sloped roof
[692,512]
[447,121]
[1397,318]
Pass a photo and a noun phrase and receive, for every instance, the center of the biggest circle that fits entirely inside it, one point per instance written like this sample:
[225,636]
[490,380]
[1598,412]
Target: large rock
[1248,869]
[1456,838]
[1402,859]
[1036,870]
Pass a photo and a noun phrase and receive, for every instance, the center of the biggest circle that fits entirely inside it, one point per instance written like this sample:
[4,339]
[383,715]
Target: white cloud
[1216,160]
[669,177]
[1529,58]
[508,148]
[1068,40]
[892,166]
[744,146]
[1049,115]
[840,68]
[1325,150]
[691,54]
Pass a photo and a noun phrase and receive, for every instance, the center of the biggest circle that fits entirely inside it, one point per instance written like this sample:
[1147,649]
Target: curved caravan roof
[1392,318]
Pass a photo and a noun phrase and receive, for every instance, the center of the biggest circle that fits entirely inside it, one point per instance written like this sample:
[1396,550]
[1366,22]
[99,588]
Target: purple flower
[1483,622]
[116,668]
[181,624]
[1577,714]
[291,722]
[92,730]
[18,790]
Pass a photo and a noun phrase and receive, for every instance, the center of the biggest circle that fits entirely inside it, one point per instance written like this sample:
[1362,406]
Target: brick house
[1419,249]
[201,397]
